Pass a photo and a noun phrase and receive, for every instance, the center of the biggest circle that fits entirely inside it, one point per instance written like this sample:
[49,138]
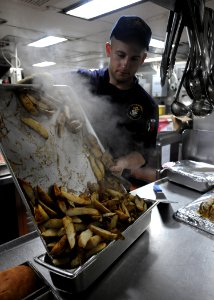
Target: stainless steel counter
[170,260]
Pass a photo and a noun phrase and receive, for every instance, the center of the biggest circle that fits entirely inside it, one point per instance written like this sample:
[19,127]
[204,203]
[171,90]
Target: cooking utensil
[175,48]
[202,108]
[158,192]
[160,200]
[178,108]
[172,26]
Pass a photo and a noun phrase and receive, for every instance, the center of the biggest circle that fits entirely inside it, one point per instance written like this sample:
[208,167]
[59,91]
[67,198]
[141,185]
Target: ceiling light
[153,59]
[91,9]
[156,43]
[44,64]
[47,41]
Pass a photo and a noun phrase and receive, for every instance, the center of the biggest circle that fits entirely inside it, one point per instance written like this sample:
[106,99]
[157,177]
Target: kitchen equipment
[158,192]
[172,27]
[76,280]
[196,175]
[61,160]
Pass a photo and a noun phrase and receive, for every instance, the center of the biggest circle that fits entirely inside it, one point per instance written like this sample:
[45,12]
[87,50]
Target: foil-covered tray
[196,175]
[189,214]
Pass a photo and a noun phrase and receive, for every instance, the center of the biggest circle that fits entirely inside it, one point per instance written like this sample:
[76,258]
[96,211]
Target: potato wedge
[53,223]
[114,193]
[61,231]
[62,206]
[56,190]
[60,246]
[98,174]
[36,126]
[48,210]
[95,250]
[40,214]
[29,105]
[61,261]
[78,211]
[70,231]
[79,226]
[113,223]
[93,242]
[76,220]
[140,204]
[76,262]
[51,232]
[44,197]
[72,198]
[100,166]
[105,234]
[98,205]
[84,237]
[121,215]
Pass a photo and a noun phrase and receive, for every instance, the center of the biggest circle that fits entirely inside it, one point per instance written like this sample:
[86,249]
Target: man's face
[125,59]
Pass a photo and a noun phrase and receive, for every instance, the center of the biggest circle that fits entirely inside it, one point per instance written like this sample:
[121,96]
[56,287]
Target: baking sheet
[60,160]
[189,214]
[196,175]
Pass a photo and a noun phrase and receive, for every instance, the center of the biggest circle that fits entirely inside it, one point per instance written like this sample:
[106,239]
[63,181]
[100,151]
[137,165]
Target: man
[127,127]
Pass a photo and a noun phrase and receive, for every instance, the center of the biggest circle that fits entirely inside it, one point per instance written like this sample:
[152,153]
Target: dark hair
[132,29]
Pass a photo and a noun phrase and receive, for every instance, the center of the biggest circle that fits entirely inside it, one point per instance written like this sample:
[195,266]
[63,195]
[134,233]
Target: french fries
[36,126]
[84,238]
[75,227]
[27,101]
[70,231]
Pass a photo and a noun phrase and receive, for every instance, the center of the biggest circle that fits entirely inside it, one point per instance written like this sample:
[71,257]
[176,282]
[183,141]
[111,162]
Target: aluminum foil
[197,171]
[189,214]
[60,160]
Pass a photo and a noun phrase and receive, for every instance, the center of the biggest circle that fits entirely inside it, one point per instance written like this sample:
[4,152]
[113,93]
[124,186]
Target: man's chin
[123,78]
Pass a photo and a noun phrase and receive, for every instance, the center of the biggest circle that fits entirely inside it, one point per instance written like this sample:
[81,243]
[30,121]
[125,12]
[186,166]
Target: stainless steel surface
[198,144]
[79,279]
[196,175]
[170,260]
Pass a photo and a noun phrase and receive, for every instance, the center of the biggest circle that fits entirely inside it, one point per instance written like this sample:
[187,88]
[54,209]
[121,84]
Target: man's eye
[135,59]
[121,55]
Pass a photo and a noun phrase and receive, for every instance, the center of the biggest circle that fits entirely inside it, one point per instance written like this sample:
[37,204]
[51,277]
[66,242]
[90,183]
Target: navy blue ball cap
[132,28]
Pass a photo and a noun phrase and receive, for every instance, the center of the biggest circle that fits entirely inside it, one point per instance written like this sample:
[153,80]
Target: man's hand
[132,161]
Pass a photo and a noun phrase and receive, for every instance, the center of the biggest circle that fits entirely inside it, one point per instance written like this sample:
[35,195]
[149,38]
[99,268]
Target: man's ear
[108,49]
[144,57]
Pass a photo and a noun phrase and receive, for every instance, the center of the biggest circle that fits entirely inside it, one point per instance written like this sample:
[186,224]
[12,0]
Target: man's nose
[126,62]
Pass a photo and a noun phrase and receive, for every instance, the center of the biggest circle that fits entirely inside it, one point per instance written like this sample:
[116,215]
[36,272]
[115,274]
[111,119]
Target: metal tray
[62,161]
[189,214]
[196,175]
[76,280]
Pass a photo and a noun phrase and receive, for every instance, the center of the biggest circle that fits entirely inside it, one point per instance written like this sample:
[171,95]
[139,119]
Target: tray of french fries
[82,213]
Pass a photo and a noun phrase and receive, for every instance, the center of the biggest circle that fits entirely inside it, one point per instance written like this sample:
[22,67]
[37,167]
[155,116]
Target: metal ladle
[202,108]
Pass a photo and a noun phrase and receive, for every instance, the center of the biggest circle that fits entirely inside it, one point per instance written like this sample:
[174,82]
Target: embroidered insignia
[135,111]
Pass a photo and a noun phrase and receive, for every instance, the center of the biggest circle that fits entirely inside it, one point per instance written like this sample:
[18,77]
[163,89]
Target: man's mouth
[123,73]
